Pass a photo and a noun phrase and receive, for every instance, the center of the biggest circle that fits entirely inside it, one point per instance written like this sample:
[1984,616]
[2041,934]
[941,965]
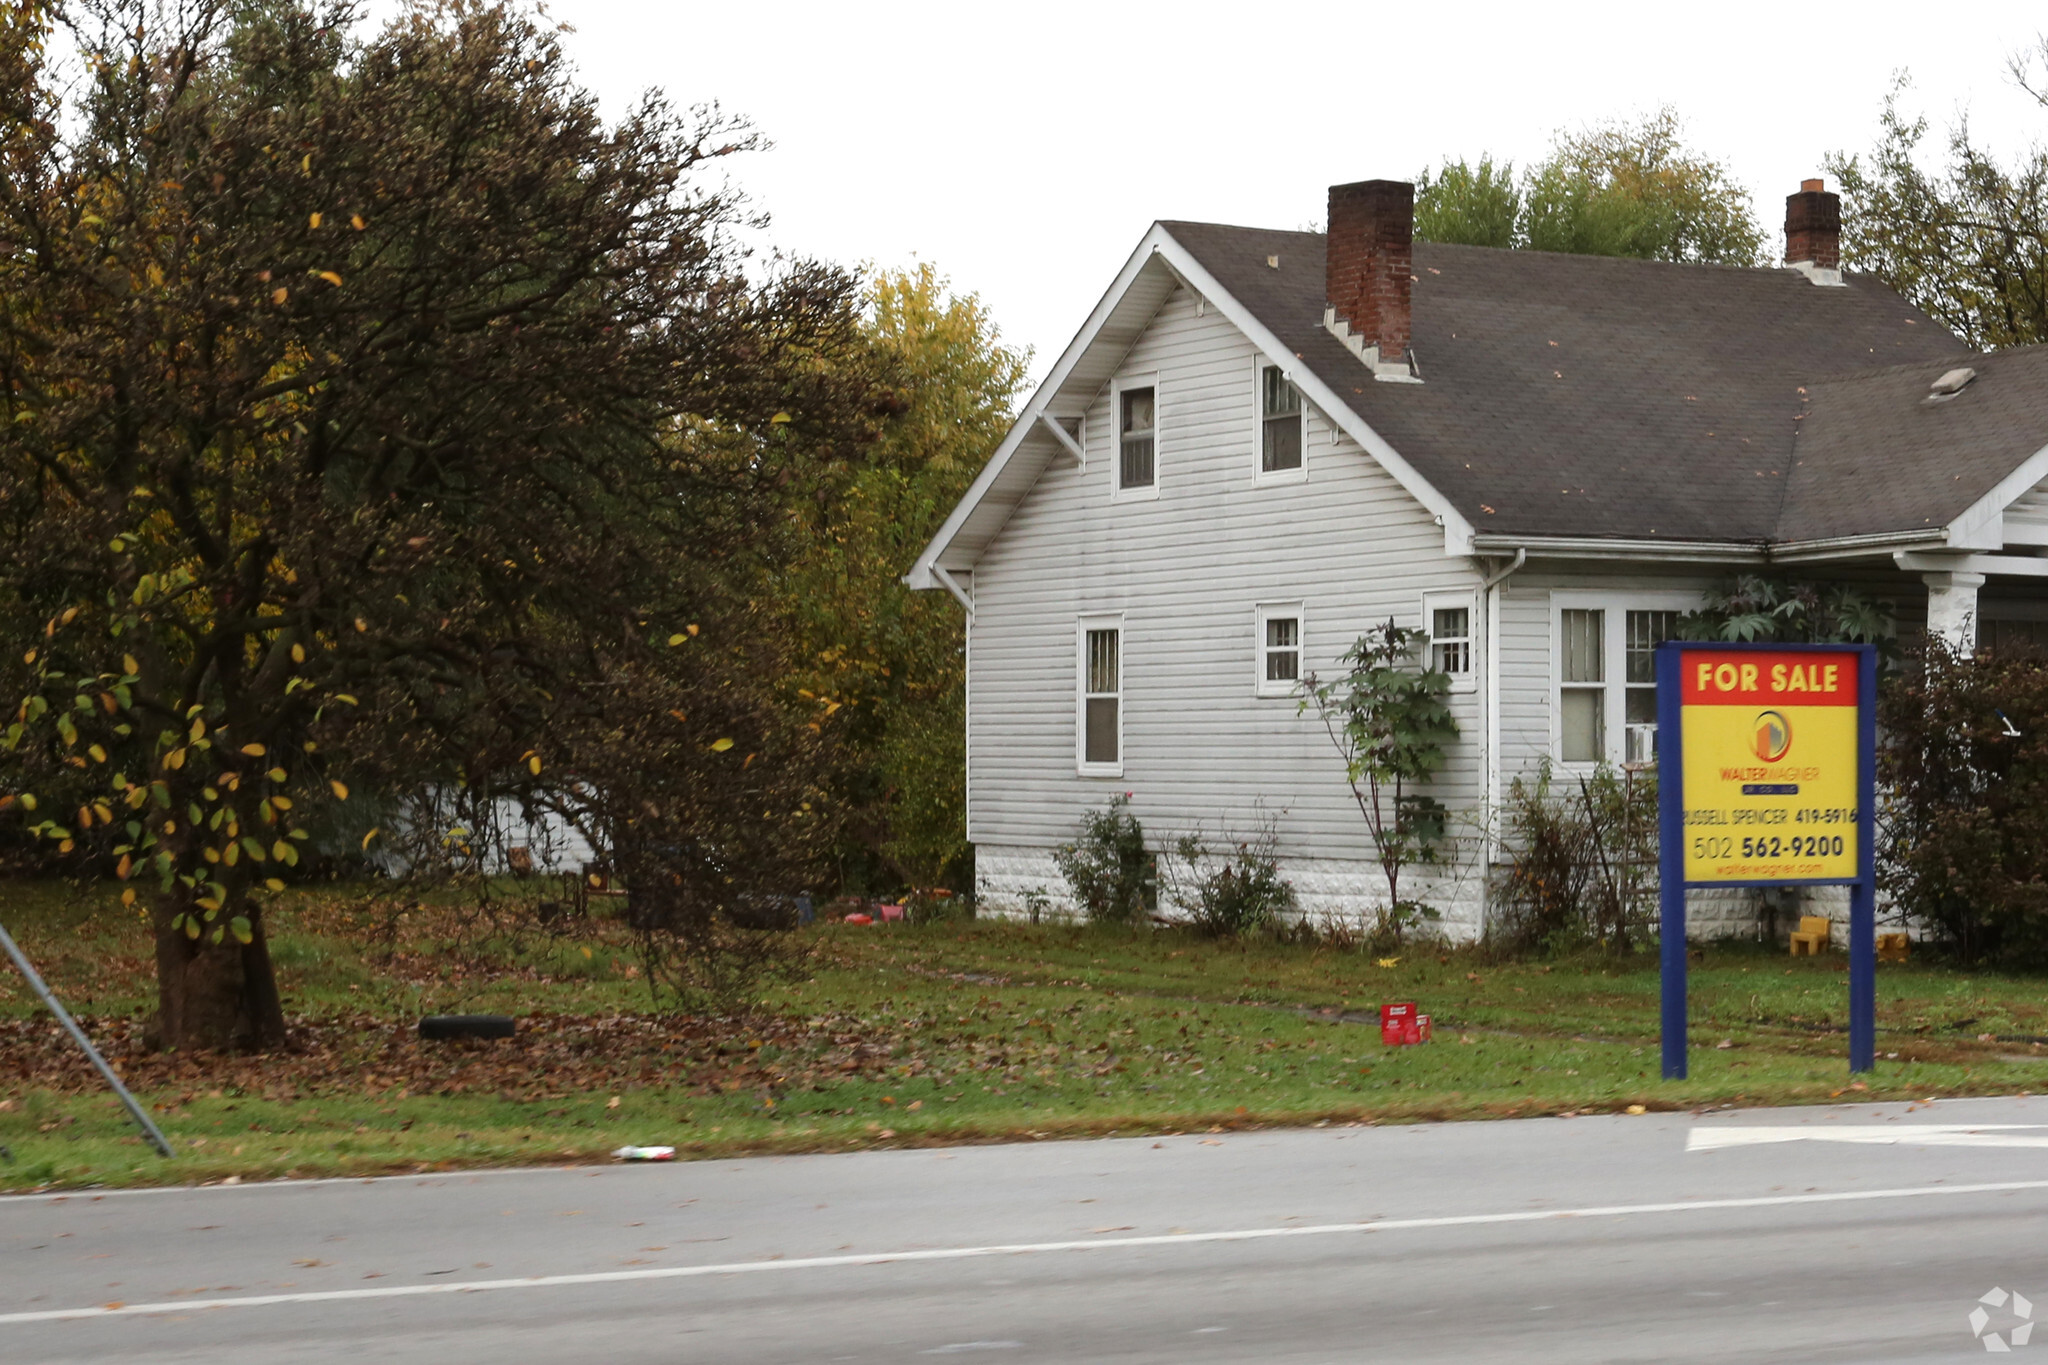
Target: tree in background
[1618,189]
[892,658]
[379,416]
[1967,243]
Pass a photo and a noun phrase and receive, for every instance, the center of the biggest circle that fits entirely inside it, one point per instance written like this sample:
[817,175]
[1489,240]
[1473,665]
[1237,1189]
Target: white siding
[1187,569]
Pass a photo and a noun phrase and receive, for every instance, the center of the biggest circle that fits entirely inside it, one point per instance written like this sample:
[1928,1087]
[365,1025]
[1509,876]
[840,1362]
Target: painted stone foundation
[1010,879]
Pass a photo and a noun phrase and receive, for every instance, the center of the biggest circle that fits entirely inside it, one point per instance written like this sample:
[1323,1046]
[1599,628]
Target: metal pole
[35,982]
[1671,861]
[1862,977]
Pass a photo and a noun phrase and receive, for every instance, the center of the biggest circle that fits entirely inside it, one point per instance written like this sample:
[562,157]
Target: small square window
[1279,422]
[1279,650]
[1137,432]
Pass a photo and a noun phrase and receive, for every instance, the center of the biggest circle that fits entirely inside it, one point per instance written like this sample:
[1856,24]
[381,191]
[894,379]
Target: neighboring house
[1261,443]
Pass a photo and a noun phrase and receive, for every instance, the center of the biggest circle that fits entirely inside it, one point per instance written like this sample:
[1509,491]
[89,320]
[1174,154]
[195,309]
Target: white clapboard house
[1262,442]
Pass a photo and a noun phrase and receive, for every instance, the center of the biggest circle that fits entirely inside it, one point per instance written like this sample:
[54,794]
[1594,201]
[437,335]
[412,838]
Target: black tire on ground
[466,1026]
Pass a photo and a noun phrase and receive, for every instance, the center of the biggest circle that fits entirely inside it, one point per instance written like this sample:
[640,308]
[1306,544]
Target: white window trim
[1453,600]
[1109,620]
[1261,476]
[1117,492]
[1261,613]
[1614,647]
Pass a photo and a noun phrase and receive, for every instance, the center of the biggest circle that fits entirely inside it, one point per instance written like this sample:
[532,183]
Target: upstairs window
[1137,432]
[1279,649]
[1279,422]
[1102,679]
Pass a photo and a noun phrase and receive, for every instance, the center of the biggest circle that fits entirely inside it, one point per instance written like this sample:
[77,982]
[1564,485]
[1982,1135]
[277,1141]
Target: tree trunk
[215,996]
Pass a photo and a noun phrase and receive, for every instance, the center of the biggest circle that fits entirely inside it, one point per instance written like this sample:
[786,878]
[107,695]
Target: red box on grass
[1401,1025]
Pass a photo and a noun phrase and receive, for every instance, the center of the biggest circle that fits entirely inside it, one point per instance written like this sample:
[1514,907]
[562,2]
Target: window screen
[1280,421]
[1137,430]
[1582,696]
[1102,687]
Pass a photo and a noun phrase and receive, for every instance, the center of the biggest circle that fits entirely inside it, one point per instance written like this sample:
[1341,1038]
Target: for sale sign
[1769,748]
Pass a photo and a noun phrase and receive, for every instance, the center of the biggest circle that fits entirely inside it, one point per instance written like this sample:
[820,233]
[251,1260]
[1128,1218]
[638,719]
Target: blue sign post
[1767,771]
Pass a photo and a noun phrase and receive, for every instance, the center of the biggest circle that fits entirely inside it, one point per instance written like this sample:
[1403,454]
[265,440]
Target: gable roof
[1588,400]
[1593,396]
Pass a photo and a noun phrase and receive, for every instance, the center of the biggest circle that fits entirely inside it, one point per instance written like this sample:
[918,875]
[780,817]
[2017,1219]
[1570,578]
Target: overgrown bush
[1584,862]
[1235,892]
[1962,814]
[1108,868]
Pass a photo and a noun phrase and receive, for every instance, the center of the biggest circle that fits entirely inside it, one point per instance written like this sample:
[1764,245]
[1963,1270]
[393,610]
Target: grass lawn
[901,1036]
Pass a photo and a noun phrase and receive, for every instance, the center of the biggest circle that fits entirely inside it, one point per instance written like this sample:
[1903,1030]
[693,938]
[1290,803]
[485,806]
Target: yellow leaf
[280,294]
[691,628]
[281,851]
[273,884]
[253,750]
[329,276]
[198,730]
[533,766]
[128,896]
[675,640]
[355,220]
[99,755]
[281,802]
[298,654]
[128,662]
[361,624]
[28,801]
[719,746]
[340,790]
[345,697]
[367,837]
[313,221]
[778,419]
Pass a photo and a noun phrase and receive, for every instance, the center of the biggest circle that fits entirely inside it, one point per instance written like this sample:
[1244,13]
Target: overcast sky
[1023,149]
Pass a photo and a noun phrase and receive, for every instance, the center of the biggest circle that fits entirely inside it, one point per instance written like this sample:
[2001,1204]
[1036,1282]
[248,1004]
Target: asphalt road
[1856,1234]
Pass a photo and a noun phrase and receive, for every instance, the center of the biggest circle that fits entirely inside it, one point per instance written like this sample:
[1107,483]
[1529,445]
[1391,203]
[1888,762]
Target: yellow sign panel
[1768,744]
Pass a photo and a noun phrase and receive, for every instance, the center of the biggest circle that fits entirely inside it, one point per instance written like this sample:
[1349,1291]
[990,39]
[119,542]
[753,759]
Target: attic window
[1950,384]
[1279,422]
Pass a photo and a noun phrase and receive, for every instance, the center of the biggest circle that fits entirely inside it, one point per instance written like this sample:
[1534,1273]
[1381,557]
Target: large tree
[892,658]
[1617,189]
[375,413]
[1967,242]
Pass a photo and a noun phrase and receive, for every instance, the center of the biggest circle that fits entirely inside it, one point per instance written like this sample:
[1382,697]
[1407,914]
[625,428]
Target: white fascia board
[1457,530]
[1981,526]
[1991,566]
[1876,543]
[1028,421]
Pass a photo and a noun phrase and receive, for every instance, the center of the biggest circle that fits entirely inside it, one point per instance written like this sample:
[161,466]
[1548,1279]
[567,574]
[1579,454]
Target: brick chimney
[1367,265]
[1813,232]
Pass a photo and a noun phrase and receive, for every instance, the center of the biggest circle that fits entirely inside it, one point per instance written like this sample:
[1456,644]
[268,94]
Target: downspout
[1490,598]
[947,581]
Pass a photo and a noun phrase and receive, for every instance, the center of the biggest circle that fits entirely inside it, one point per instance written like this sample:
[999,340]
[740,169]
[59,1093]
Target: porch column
[1952,608]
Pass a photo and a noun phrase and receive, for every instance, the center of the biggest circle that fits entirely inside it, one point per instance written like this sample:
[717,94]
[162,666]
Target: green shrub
[1108,868]
[1962,813]
[1239,892]
[1584,862]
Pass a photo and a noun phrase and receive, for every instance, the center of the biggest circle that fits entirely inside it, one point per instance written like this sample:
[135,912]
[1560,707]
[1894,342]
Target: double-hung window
[1280,422]
[1279,649]
[1606,673]
[1137,426]
[1099,743]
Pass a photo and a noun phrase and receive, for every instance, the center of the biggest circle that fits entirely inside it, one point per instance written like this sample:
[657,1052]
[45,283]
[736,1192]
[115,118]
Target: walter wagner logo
[1772,738]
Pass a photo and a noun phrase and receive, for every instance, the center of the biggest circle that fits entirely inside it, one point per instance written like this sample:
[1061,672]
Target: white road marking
[1884,1134]
[682,1272]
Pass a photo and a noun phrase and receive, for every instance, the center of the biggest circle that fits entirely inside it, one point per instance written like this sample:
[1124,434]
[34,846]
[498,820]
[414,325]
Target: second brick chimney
[1368,263]
[1813,232]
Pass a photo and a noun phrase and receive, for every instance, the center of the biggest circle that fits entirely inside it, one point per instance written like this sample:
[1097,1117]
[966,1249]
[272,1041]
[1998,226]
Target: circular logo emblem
[1773,736]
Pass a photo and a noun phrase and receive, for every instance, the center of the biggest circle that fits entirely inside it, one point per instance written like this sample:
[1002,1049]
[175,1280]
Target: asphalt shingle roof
[1598,397]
